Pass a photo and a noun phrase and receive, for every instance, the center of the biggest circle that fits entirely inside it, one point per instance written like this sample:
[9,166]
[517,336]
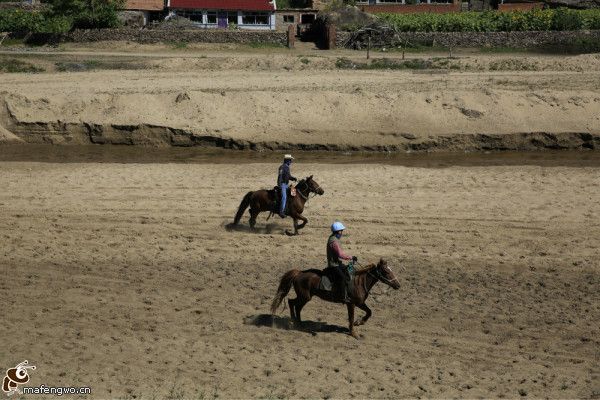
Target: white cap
[288,157]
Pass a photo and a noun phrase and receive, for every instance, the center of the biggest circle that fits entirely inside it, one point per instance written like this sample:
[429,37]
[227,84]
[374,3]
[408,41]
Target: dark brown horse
[306,285]
[264,200]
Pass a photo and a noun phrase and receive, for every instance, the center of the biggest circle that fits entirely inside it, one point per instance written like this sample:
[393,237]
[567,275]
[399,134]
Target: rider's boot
[282,208]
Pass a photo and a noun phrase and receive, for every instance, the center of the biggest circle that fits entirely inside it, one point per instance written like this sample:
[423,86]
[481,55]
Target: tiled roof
[232,5]
[151,5]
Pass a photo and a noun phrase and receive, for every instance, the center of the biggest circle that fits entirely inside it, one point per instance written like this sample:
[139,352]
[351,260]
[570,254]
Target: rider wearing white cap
[336,257]
[283,179]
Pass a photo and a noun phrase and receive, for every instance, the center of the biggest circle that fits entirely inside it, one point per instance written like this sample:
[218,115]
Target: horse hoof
[355,335]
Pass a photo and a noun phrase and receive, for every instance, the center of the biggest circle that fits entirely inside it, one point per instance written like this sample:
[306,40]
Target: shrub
[566,20]
[87,14]
[492,21]
[62,16]
[15,65]
[17,20]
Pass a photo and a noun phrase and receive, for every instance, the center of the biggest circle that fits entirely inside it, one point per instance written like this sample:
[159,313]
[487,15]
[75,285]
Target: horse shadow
[285,323]
[267,229]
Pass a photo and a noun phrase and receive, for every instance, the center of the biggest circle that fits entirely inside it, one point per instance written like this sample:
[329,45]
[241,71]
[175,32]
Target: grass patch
[13,65]
[384,63]
[513,65]
[579,46]
[305,60]
[414,48]
[263,45]
[435,63]
[502,50]
[12,42]
[90,65]
[178,45]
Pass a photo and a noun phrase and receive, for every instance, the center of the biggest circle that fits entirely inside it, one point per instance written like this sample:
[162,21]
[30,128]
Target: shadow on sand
[312,327]
[264,229]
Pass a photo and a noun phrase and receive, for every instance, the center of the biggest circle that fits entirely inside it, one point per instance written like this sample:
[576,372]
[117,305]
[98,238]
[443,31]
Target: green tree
[87,14]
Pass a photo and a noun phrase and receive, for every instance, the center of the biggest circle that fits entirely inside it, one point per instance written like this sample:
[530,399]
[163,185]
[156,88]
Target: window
[232,18]
[288,19]
[307,18]
[195,16]
[255,18]
[211,17]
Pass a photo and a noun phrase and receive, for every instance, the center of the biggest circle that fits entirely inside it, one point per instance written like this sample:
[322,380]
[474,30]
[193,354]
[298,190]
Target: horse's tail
[243,205]
[284,287]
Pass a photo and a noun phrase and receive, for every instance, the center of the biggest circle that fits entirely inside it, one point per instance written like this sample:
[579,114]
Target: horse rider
[283,179]
[336,257]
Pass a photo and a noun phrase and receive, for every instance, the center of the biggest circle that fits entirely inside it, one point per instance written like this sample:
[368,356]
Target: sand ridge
[237,99]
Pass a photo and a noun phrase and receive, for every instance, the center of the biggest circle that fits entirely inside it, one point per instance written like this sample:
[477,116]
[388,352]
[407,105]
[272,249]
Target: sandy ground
[123,277]
[301,97]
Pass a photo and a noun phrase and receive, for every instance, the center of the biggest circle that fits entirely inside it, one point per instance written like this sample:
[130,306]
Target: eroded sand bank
[276,102]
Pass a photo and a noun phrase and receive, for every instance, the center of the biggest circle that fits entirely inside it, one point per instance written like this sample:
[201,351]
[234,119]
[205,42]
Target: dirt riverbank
[301,100]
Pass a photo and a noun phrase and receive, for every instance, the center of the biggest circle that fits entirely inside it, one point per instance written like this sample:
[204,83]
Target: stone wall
[489,39]
[167,35]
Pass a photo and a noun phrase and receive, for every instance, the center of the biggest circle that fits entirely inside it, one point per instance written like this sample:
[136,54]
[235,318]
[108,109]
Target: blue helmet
[337,226]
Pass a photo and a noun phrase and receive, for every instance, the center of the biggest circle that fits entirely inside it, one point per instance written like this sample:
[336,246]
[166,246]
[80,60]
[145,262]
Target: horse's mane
[367,268]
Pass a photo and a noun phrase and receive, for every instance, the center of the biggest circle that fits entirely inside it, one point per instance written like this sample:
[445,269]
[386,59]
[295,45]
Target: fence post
[291,36]
[331,36]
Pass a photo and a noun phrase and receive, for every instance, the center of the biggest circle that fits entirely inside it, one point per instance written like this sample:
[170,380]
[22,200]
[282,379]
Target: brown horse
[264,200]
[306,285]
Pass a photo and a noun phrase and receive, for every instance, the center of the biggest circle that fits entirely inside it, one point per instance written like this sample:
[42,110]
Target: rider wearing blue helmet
[336,257]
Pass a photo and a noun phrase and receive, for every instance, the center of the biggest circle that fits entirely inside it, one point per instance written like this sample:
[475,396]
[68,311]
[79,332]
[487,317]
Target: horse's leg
[351,320]
[304,222]
[287,231]
[364,319]
[292,304]
[253,214]
[302,297]
[299,305]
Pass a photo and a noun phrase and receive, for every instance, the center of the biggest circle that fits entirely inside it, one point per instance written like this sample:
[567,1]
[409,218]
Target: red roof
[232,5]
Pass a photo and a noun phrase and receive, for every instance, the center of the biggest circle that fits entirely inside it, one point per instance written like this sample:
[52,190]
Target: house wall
[520,6]
[297,13]
[240,20]
[411,8]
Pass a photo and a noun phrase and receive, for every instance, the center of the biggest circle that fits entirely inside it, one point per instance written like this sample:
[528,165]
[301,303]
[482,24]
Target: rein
[306,196]
[380,277]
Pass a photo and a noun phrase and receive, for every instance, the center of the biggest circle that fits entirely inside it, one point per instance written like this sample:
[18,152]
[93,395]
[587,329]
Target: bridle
[382,278]
[305,183]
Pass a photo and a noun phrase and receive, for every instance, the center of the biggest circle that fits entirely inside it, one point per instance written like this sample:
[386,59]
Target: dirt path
[123,277]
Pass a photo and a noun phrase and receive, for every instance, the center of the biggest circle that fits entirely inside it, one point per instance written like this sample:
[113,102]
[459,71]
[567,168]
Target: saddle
[275,196]
[330,279]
